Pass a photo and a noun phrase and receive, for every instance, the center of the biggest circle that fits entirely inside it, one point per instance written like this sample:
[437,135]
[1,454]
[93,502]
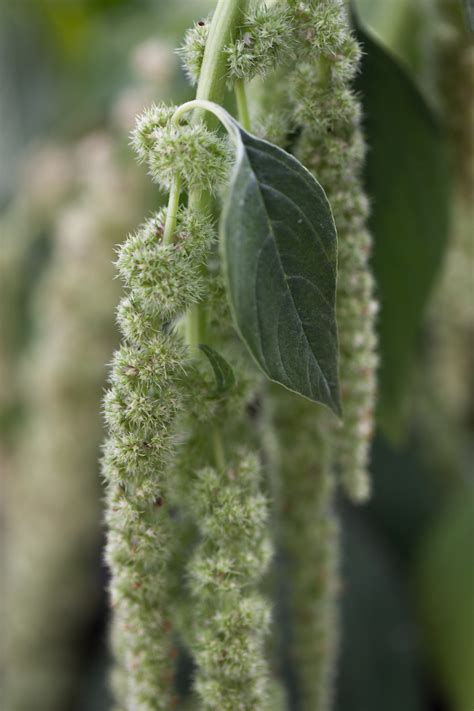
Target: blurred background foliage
[72,75]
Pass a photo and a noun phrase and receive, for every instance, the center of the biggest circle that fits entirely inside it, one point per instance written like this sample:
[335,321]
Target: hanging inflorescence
[159,404]
[332,146]
[147,393]
[231,619]
[178,461]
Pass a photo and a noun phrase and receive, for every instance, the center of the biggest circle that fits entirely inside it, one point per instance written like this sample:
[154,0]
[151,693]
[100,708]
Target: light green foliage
[159,410]
[220,614]
[323,30]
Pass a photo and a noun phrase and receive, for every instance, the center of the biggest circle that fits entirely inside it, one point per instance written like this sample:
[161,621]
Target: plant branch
[211,87]
[173,204]
[242,105]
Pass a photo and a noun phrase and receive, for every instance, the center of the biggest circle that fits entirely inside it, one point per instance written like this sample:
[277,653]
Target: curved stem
[221,114]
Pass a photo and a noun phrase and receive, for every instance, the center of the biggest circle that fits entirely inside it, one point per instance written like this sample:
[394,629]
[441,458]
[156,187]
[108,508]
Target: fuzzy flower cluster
[146,395]
[189,151]
[231,619]
[220,617]
[322,28]
[331,145]
[164,278]
[264,40]
[308,536]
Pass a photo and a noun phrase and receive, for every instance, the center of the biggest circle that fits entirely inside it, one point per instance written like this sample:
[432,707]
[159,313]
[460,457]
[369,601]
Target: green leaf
[225,379]
[407,179]
[280,257]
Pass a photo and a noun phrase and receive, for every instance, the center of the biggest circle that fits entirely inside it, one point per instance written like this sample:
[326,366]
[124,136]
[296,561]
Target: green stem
[211,87]
[225,20]
[217,111]
[172,211]
[219,452]
[195,326]
[242,105]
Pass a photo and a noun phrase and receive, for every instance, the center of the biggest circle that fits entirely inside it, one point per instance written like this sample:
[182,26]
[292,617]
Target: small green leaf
[280,256]
[225,379]
[407,179]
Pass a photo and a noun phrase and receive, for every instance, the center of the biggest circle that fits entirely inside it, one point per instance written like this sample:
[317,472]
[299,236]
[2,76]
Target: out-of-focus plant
[52,565]
[47,180]
[225,532]
[66,217]
[446,405]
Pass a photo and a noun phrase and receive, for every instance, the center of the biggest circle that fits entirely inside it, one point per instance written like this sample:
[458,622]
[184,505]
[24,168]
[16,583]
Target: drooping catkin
[147,392]
[310,97]
[230,617]
[218,498]
[332,146]
[53,524]
[307,540]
